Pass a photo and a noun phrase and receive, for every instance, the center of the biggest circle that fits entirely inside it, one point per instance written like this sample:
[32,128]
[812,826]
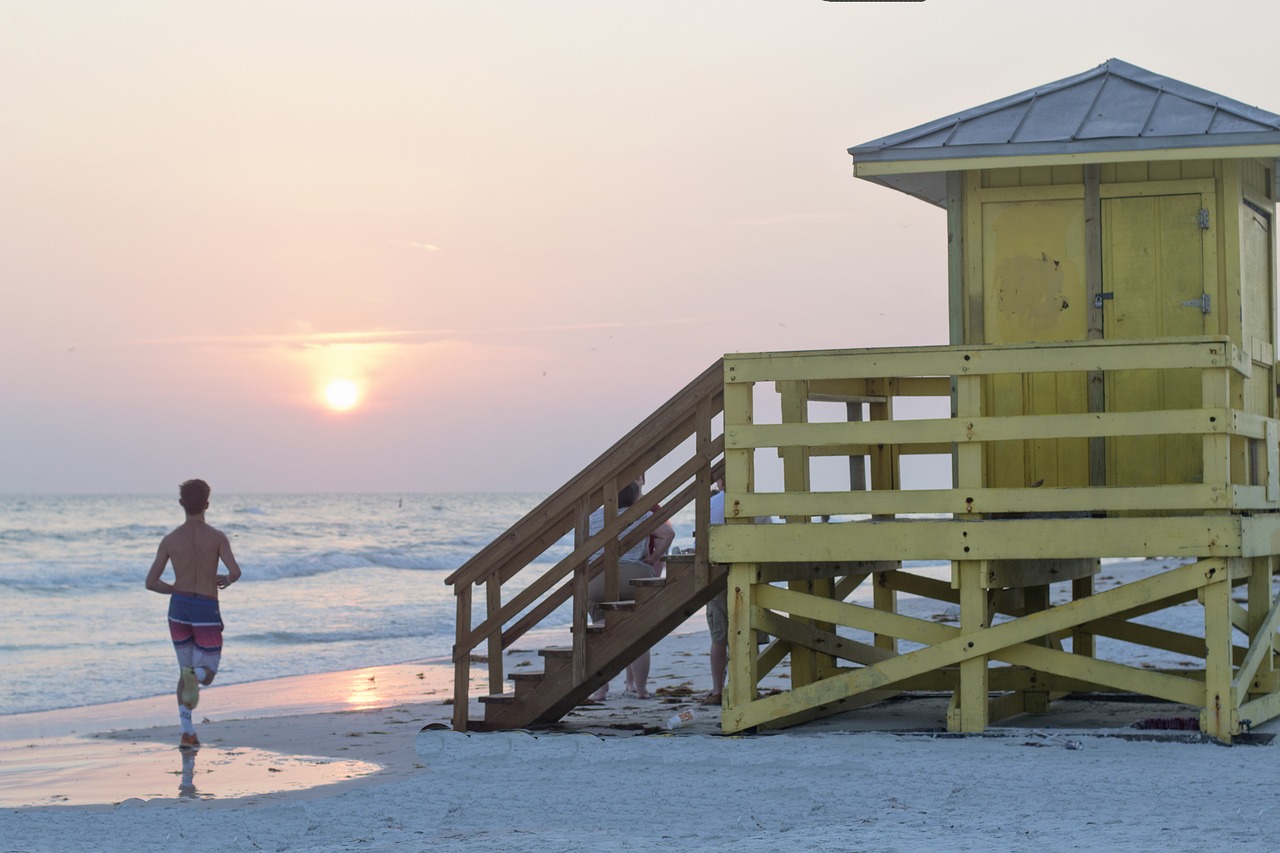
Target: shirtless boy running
[195,623]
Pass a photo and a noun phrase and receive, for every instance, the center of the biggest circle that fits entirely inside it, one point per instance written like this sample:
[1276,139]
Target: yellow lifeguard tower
[1111,376]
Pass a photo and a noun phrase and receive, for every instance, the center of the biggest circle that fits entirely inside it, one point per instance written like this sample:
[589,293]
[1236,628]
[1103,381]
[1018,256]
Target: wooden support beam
[743,675]
[803,633]
[1261,649]
[1219,715]
[995,641]
[970,713]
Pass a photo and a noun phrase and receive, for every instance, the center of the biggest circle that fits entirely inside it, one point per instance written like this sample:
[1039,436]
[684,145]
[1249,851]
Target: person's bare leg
[639,674]
[719,663]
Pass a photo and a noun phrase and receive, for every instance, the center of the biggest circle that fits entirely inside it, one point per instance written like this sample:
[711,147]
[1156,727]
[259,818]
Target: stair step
[526,682]
[498,698]
[556,652]
[518,677]
[591,629]
[618,606]
[647,588]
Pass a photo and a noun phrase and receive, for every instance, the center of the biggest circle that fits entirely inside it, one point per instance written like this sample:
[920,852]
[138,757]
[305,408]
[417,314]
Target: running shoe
[190,695]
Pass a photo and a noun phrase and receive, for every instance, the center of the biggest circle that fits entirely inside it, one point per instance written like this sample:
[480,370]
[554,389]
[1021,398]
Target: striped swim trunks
[195,620]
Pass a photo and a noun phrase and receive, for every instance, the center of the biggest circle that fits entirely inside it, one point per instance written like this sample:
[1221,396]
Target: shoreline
[279,737]
[364,760]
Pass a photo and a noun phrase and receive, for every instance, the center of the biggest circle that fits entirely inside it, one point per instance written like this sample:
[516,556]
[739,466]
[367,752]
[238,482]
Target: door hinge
[1204,219]
[1202,303]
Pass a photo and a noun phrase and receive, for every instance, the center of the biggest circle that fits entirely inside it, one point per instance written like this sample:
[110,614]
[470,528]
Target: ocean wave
[343,635]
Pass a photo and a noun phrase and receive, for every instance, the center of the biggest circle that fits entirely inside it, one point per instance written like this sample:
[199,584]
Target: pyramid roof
[1102,115]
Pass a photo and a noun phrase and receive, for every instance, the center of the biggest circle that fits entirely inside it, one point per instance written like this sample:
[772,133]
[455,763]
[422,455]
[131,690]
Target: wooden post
[885,474]
[611,549]
[1036,599]
[462,659]
[969,710]
[1083,642]
[493,604]
[581,532]
[1220,717]
[741,687]
[857,464]
[806,664]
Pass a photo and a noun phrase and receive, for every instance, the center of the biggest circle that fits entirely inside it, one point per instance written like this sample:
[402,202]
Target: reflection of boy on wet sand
[195,622]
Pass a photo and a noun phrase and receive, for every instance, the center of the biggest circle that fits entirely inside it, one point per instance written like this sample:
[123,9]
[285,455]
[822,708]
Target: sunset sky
[514,227]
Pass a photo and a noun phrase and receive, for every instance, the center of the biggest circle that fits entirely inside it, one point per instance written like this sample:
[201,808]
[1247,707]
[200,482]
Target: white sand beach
[341,762]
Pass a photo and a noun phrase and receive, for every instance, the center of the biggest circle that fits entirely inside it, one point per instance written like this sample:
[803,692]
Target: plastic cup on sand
[684,718]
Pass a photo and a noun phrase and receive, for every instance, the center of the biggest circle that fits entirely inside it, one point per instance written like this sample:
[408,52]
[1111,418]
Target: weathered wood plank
[795,436]
[920,539]
[978,501]
[1207,351]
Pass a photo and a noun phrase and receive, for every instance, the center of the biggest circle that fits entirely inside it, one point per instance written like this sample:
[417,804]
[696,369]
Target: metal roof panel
[1121,110]
[1055,115]
[997,126]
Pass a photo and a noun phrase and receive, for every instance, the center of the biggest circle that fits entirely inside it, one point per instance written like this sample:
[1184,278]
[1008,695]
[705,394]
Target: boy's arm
[157,568]
[228,560]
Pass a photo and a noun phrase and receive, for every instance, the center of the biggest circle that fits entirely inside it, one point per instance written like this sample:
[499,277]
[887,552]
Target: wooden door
[1033,262]
[1154,286]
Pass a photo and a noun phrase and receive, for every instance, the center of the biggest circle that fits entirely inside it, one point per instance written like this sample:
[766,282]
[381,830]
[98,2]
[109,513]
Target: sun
[342,395]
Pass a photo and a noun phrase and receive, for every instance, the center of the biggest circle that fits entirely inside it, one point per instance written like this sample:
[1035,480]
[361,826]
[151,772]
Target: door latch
[1097,300]
[1202,303]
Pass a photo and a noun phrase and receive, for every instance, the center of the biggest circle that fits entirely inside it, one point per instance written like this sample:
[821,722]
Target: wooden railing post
[462,659]
[611,549]
[580,588]
[493,602]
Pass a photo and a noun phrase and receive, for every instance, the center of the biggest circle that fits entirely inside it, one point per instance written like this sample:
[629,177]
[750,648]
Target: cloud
[367,337]
[788,218]
[414,244]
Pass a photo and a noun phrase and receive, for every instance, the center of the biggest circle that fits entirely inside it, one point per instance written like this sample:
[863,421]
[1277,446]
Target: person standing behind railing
[659,544]
[718,610]
[636,563]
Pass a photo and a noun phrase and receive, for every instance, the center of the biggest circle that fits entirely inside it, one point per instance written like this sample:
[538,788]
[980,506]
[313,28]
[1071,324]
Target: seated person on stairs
[636,562]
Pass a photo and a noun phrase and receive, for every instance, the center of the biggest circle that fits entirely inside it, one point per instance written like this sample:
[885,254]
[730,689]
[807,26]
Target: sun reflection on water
[362,693]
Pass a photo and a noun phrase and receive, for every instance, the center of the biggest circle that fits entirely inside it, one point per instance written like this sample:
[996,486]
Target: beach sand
[341,761]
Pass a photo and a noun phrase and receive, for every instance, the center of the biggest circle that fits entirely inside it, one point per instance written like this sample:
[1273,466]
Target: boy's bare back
[195,550]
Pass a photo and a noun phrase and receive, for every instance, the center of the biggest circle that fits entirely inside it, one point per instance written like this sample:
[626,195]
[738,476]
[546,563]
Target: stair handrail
[687,414]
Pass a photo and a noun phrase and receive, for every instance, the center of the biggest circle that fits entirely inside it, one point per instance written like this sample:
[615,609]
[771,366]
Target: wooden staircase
[661,605]
[519,591]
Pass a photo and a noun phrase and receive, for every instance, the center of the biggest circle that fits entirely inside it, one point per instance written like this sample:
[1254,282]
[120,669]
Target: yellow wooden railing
[688,418]
[879,376]
[1226,517]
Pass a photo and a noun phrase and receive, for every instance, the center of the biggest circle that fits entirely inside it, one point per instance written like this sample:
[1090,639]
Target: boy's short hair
[194,496]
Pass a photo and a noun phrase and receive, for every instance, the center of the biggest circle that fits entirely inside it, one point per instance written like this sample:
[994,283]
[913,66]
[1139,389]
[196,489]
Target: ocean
[331,582]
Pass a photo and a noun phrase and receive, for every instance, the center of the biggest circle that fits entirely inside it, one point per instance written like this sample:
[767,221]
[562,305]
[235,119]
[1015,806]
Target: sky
[516,228]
